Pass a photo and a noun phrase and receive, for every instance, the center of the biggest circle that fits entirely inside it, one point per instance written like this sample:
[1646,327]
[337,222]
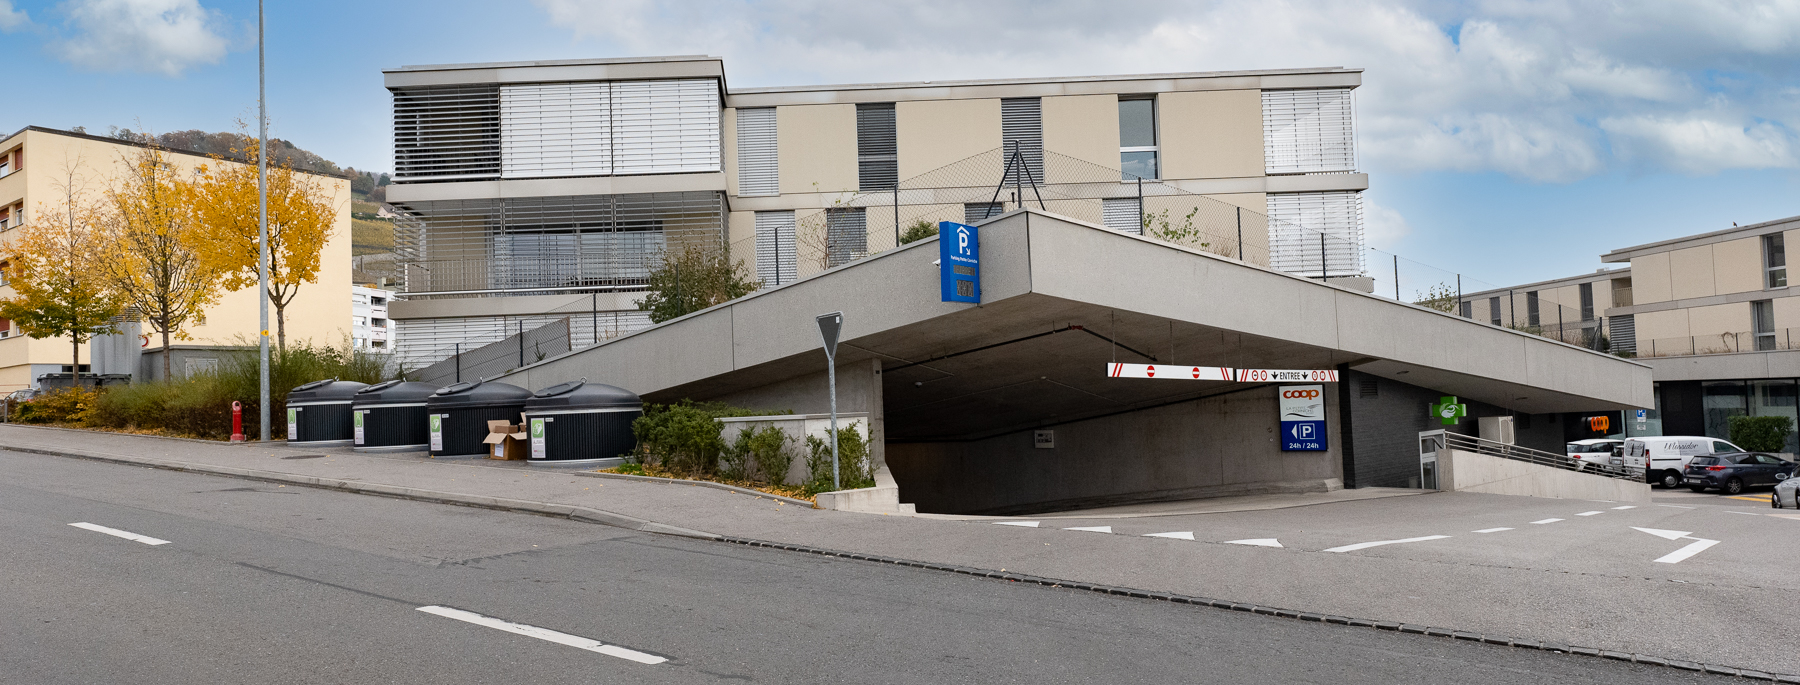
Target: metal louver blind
[759,168]
[1307,131]
[1122,215]
[776,260]
[446,133]
[555,129]
[1022,128]
[846,235]
[428,341]
[976,211]
[1297,219]
[1623,331]
[877,147]
[665,127]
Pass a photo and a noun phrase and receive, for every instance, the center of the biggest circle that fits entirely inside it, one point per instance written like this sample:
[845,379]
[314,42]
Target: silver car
[1785,493]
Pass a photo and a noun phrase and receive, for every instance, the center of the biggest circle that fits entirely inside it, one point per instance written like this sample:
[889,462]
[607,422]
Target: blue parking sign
[959,262]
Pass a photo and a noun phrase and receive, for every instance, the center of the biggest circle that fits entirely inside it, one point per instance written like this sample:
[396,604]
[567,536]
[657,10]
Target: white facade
[370,328]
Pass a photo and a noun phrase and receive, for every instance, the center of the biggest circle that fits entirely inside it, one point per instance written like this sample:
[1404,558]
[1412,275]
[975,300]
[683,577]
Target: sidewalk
[1603,611]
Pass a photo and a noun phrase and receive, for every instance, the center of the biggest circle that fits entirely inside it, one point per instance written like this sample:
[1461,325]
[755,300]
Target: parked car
[1664,459]
[1787,494]
[1731,473]
[1593,453]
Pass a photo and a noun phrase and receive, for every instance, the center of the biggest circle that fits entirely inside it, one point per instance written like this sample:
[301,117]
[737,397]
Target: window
[1308,131]
[1468,309]
[877,147]
[378,323]
[556,129]
[776,261]
[446,133]
[375,301]
[1494,309]
[1137,138]
[846,235]
[1587,302]
[1774,261]
[1532,317]
[759,168]
[976,211]
[1762,317]
[1122,215]
[1022,129]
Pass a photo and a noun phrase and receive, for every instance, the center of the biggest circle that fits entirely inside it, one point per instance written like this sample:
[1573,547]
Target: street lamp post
[262,223]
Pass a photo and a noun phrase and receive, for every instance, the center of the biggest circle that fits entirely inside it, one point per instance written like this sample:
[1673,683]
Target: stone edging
[701,483]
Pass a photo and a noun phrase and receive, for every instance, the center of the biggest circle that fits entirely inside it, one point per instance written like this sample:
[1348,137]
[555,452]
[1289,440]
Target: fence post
[596,312]
[1240,223]
[1459,299]
[521,343]
[458,358]
[1559,324]
[1396,278]
[1140,188]
[1323,272]
[896,214]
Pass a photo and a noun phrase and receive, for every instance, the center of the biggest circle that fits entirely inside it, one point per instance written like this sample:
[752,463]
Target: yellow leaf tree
[152,261]
[54,269]
[301,213]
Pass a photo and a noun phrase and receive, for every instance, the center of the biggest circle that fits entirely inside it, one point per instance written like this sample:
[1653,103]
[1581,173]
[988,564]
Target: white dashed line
[1743,513]
[1378,543]
[1258,542]
[120,533]
[1697,547]
[1021,524]
[1628,506]
[1183,535]
[1590,513]
[1675,506]
[545,634]
[1092,529]
[1492,530]
[1539,523]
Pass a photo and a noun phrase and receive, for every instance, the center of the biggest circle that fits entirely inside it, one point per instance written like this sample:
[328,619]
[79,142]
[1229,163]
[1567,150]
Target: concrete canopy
[1061,298]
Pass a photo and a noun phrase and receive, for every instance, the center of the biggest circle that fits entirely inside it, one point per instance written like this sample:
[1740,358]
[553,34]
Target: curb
[568,511]
[701,483]
[90,431]
[1411,628]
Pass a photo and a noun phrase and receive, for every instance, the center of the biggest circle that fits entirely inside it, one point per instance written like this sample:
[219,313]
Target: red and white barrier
[1220,373]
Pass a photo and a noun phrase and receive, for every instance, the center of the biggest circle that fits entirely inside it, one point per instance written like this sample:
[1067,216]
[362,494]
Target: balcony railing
[1720,343]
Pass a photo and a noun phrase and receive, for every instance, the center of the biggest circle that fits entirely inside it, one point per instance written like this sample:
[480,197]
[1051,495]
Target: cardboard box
[507,446]
[502,426]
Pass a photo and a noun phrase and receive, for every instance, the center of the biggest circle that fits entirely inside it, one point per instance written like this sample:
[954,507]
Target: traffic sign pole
[829,326]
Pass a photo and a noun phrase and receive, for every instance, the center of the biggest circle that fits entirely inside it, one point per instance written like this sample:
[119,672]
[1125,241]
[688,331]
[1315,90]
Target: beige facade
[1696,294]
[320,312]
[818,143]
[1212,134]
[1085,127]
[938,133]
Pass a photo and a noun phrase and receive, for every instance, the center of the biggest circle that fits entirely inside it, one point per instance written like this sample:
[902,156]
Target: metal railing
[1720,343]
[1469,443]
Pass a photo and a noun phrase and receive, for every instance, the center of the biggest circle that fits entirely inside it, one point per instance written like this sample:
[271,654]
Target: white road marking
[1743,513]
[1092,529]
[1628,506]
[120,533]
[545,634]
[1665,534]
[1259,542]
[1021,524]
[1675,506]
[1183,535]
[1539,523]
[1492,530]
[1378,543]
[1590,513]
[1698,546]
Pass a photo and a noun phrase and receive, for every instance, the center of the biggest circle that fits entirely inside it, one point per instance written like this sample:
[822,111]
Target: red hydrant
[237,421]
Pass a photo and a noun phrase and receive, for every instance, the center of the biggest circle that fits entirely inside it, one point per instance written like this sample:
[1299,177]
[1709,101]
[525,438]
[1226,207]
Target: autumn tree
[152,260]
[59,288]
[302,209]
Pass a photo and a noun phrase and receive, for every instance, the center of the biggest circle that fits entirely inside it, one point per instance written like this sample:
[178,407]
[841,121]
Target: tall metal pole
[1396,278]
[262,222]
[831,364]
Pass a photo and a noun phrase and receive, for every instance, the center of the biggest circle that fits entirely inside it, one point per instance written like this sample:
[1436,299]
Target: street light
[262,223]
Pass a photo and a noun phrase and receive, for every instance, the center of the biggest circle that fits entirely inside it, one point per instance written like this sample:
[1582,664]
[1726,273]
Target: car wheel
[1696,487]
[1670,479]
[1775,500]
[1733,486]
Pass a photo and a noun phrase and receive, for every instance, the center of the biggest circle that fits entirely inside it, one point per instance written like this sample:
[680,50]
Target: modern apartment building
[370,328]
[39,162]
[535,191]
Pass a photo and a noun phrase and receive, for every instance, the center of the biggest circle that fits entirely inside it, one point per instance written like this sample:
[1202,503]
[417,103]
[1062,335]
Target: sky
[1508,141]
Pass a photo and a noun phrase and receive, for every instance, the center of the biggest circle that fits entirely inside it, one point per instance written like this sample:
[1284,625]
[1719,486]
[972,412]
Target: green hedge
[1761,433]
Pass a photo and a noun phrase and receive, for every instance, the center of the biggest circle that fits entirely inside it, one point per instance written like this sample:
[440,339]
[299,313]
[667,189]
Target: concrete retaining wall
[1471,472]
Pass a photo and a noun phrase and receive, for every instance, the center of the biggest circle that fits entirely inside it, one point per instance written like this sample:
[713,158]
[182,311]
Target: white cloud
[1383,227]
[164,36]
[1546,91]
[11,19]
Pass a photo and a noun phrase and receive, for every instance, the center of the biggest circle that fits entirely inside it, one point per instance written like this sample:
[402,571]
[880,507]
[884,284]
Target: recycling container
[580,421]
[390,417]
[458,415]
[318,413]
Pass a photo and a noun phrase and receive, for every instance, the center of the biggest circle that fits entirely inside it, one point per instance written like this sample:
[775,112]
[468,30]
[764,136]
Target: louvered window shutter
[976,211]
[1308,131]
[759,169]
[446,133]
[665,127]
[776,260]
[877,149]
[846,235]
[1122,215]
[1297,219]
[555,129]
[1022,129]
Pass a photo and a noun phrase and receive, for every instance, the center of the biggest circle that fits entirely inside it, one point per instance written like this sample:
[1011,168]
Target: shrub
[684,437]
[67,405]
[762,454]
[853,462]
[1761,433]
[919,230]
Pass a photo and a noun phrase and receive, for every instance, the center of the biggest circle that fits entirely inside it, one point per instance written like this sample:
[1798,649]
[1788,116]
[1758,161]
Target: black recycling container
[458,415]
[318,413]
[581,421]
[390,417]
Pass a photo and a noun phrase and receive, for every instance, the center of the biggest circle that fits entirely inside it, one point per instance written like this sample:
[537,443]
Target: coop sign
[1302,417]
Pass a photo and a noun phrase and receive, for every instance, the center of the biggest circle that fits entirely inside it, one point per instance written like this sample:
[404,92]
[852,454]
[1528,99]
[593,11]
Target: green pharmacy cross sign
[1448,410]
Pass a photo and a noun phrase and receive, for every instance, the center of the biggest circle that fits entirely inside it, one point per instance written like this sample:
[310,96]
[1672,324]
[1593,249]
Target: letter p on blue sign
[959,262]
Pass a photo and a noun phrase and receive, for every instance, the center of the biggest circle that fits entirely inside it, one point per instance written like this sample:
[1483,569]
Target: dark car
[1731,472]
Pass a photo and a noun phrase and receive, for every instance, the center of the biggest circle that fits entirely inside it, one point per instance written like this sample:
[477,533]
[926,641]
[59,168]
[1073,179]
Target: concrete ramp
[1468,471]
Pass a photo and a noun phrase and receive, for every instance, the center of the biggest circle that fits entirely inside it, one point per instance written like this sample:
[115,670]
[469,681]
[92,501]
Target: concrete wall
[858,392]
[1219,445]
[936,133]
[1210,134]
[1471,472]
[1085,127]
[817,145]
[1386,417]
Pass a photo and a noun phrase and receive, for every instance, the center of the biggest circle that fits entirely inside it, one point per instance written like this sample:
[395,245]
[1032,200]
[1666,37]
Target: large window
[1762,316]
[446,133]
[1587,302]
[877,147]
[1774,261]
[1137,138]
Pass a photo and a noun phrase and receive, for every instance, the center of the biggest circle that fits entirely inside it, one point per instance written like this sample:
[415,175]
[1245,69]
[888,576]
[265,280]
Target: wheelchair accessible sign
[1302,418]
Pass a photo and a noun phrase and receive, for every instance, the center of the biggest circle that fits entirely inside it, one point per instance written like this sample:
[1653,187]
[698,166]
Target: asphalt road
[263,583]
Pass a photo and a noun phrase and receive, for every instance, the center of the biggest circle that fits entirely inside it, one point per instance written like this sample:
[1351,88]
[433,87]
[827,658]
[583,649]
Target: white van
[1663,459]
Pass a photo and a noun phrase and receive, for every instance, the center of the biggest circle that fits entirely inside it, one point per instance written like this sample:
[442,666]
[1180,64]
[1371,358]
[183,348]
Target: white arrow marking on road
[1628,506]
[1021,524]
[1590,513]
[1539,523]
[1092,529]
[1667,534]
[120,533]
[1378,543]
[1492,530]
[1183,535]
[545,634]
[1698,546]
[1259,542]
